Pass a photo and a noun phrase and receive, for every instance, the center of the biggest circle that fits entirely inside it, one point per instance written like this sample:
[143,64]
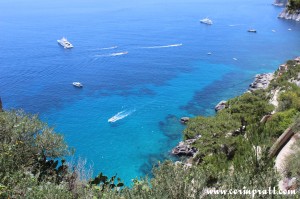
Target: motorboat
[252,30]
[113,119]
[206,21]
[65,43]
[77,84]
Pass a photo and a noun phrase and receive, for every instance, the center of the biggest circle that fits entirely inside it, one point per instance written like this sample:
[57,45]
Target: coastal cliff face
[285,14]
[291,11]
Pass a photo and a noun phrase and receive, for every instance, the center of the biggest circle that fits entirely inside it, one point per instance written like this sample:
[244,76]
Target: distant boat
[252,30]
[289,29]
[206,21]
[65,43]
[235,59]
[273,30]
[209,53]
[77,84]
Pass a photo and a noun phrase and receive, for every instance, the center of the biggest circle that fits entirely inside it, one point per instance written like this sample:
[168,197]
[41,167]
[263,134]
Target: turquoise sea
[143,61]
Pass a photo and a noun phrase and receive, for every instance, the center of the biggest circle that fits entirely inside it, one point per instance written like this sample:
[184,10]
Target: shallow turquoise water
[165,75]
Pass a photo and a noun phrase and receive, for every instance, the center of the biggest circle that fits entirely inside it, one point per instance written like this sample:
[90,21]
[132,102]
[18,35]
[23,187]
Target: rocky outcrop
[285,14]
[261,81]
[184,148]
[220,106]
[184,120]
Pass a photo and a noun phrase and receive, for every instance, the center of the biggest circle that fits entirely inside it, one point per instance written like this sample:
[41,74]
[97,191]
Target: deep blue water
[153,84]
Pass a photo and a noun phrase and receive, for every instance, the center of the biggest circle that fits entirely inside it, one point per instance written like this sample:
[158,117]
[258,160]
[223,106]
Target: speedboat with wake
[65,43]
[120,115]
[77,84]
[113,119]
[206,21]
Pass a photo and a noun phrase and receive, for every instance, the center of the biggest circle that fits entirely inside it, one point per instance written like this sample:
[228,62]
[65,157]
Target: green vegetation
[233,152]
[294,5]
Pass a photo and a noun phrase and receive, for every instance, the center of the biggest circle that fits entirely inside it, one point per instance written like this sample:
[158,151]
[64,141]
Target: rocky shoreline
[261,81]
[285,14]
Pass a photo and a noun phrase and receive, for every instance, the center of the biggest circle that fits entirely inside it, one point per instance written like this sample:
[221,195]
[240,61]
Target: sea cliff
[291,10]
[286,14]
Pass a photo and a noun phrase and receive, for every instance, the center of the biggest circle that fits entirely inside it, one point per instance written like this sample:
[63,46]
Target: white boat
[113,119]
[206,21]
[65,43]
[252,30]
[77,84]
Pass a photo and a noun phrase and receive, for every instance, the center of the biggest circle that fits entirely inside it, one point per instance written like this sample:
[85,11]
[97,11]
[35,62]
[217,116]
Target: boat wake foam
[112,54]
[167,46]
[120,115]
[109,48]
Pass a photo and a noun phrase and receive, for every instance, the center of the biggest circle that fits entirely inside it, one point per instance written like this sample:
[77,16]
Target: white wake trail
[120,115]
[167,46]
[112,54]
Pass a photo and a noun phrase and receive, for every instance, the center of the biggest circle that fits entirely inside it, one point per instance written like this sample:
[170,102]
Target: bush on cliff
[293,5]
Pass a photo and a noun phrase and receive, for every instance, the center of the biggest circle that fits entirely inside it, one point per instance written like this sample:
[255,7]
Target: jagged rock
[283,68]
[285,14]
[184,120]
[184,148]
[261,81]
[190,141]
[220,106]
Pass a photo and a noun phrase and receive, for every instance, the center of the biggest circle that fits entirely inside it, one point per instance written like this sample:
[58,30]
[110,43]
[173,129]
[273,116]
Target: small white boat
[206,21]
[209,53]
[235,59]
[113,119]
[65,43]
[289,29]
[77,84]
